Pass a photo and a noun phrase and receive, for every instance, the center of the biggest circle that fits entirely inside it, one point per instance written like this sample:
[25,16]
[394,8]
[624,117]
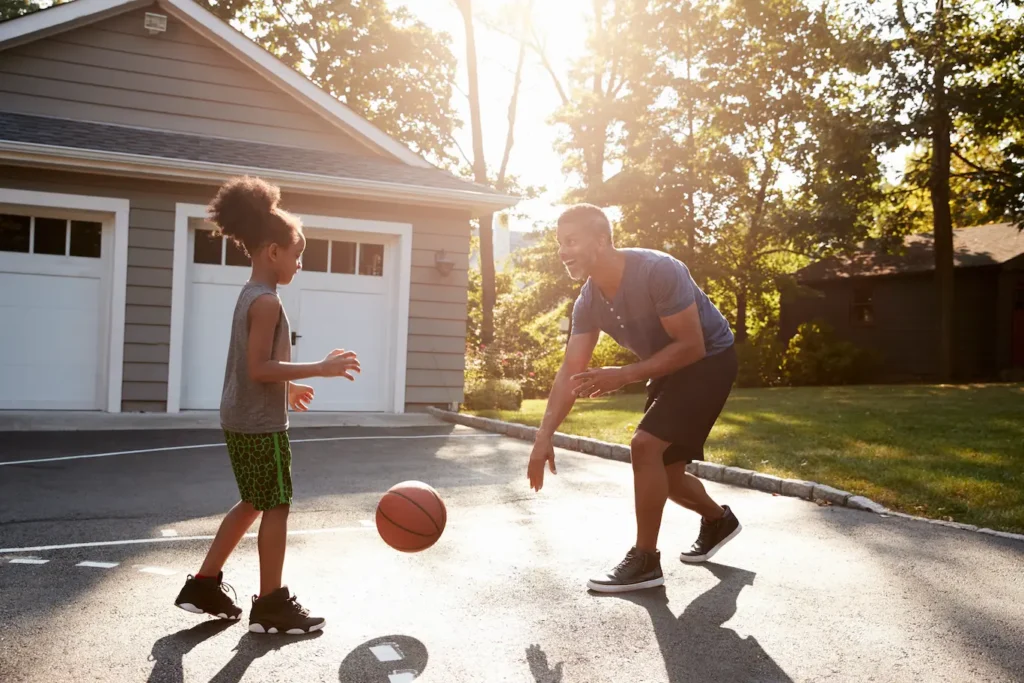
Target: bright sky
[533,157]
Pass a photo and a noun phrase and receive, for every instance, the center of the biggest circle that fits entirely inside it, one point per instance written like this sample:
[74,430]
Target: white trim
[139,166]
[179,287]
[62,17]
[223,34]
[400,324]
[119,209]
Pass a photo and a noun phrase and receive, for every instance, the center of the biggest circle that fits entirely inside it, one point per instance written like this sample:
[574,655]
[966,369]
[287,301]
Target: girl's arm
[263,316]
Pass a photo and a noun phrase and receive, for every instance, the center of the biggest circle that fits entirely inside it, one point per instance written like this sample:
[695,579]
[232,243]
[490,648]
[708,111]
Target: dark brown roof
[982,245]
[182,146]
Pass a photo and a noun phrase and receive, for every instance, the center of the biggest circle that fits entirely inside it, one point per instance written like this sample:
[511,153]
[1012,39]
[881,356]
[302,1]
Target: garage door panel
[207,333]
[353,324]
[50,342]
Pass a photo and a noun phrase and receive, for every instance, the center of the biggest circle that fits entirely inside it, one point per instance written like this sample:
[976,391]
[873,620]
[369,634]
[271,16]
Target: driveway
[805,593]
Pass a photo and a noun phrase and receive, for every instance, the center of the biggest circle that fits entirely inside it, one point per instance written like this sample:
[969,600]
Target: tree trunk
[487,286]
[942,218]
[741,315]
[691,215]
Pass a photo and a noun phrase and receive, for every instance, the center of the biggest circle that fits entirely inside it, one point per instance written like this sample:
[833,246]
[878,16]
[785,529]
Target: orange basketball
[411,516]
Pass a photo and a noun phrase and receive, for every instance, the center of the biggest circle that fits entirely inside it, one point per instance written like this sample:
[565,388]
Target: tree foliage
[380,60]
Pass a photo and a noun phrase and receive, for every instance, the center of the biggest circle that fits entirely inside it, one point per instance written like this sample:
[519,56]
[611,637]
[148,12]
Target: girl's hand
[299,396]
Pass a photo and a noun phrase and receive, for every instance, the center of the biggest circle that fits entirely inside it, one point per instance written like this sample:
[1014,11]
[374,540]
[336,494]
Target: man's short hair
[589,216]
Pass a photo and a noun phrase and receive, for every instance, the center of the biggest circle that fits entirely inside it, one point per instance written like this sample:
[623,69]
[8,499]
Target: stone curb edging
[734,476]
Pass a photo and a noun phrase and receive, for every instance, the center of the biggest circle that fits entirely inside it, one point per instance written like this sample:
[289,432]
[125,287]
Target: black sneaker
[208,596]
[637,571]
[713,535]
[280,612]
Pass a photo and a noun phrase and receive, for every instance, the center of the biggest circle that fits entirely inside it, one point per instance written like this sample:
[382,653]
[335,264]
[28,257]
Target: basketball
[411,516]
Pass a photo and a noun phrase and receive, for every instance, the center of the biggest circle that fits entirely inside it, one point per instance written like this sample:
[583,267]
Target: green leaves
[384,63]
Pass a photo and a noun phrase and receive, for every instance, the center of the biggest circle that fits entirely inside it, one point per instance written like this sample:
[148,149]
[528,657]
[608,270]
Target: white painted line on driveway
[139,541]
[382,437]
[168,533]
[28,560]
[98,565]
[161,571]
[386,652]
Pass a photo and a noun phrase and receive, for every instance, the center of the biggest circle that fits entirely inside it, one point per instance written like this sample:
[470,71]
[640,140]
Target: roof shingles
[181,146]
[980,245]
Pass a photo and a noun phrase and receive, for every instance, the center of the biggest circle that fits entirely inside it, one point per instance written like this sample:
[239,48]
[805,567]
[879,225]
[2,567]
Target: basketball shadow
[253,646]
[696,646]
[399,659]
[169,652]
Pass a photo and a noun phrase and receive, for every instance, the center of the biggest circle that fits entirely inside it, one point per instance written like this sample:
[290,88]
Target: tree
[381,61]
[479,163]
[753,154]
[943,69]
[11,9]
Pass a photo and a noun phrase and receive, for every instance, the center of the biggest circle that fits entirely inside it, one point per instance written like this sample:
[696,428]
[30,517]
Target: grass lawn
[949,452]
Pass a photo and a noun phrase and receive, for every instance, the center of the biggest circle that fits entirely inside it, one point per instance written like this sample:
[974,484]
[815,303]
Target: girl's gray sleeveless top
[247,406]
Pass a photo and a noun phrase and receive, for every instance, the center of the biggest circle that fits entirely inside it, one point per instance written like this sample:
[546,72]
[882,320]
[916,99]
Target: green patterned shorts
[263,468]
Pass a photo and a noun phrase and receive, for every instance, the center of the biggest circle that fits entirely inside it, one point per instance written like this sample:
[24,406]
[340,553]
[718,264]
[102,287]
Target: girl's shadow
[169,652]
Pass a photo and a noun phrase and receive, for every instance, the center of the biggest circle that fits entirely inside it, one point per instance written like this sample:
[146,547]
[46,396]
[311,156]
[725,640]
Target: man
[648,302]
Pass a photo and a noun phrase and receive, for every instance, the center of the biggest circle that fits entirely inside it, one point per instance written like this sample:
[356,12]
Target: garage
[57,293]
[345,296]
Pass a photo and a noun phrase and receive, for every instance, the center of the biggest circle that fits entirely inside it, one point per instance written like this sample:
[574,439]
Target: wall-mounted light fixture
[443,264]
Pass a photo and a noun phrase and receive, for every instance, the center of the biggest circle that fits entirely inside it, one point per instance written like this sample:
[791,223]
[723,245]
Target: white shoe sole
[258,628]
[625,588]
[189,607]
[697,559]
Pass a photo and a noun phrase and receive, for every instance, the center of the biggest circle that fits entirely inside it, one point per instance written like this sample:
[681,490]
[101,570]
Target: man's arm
[578,353]
[686,348]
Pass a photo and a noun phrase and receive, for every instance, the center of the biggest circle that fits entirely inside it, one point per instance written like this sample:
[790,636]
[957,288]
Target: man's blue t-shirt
[654,285]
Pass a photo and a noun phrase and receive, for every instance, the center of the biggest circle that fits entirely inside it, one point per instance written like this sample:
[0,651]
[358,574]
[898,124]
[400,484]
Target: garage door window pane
[234,256]
[314,258]
[343,257]
[14,232]
[51,236]
[207,249]
[371,259]
[86,239]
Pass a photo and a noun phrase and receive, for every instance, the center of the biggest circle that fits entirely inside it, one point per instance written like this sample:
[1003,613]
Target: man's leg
[687,490]
[650,487]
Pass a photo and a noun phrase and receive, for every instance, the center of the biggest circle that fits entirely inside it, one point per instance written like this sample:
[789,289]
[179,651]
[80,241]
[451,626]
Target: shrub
[761,362]
[493,394]
[816,357]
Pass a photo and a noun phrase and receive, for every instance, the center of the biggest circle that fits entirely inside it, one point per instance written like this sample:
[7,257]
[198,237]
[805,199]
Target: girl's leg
[232,529]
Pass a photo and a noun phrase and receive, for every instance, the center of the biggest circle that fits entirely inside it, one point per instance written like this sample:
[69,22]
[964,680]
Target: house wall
[113,71]
[906,323]
[437,308]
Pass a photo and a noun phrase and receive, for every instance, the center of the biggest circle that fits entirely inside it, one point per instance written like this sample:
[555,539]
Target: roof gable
[982,245]
[80,13]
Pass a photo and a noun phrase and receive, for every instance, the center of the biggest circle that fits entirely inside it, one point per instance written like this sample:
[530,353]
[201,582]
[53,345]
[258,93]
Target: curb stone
[735,476]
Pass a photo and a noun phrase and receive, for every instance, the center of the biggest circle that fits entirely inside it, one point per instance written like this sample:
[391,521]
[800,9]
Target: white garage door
[343,298]
[53,303]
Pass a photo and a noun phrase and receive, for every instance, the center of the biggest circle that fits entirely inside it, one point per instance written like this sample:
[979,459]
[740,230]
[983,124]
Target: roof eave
[181,170]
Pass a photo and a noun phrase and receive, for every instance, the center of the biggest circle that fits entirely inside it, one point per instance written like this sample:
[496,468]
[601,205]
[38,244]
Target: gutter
[140,166]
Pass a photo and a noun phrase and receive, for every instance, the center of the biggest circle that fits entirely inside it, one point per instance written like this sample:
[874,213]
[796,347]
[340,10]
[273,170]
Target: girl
[259,388]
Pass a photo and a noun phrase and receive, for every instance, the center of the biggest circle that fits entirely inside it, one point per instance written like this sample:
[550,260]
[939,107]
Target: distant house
[887,302]
[118,121]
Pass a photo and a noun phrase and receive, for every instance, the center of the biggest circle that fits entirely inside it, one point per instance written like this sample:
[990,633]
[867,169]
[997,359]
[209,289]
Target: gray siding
[437,309]
[115,72]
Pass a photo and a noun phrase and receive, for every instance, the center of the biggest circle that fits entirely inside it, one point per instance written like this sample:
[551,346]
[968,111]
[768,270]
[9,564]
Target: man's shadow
[696,646]
[169,652]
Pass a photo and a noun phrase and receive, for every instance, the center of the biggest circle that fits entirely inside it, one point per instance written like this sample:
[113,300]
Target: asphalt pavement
[93,551]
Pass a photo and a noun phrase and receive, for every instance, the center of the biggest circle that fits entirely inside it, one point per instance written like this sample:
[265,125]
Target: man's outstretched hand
[543,453]
[600,381]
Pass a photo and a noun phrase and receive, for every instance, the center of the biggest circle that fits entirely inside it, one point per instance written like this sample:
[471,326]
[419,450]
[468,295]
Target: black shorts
[683,407]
